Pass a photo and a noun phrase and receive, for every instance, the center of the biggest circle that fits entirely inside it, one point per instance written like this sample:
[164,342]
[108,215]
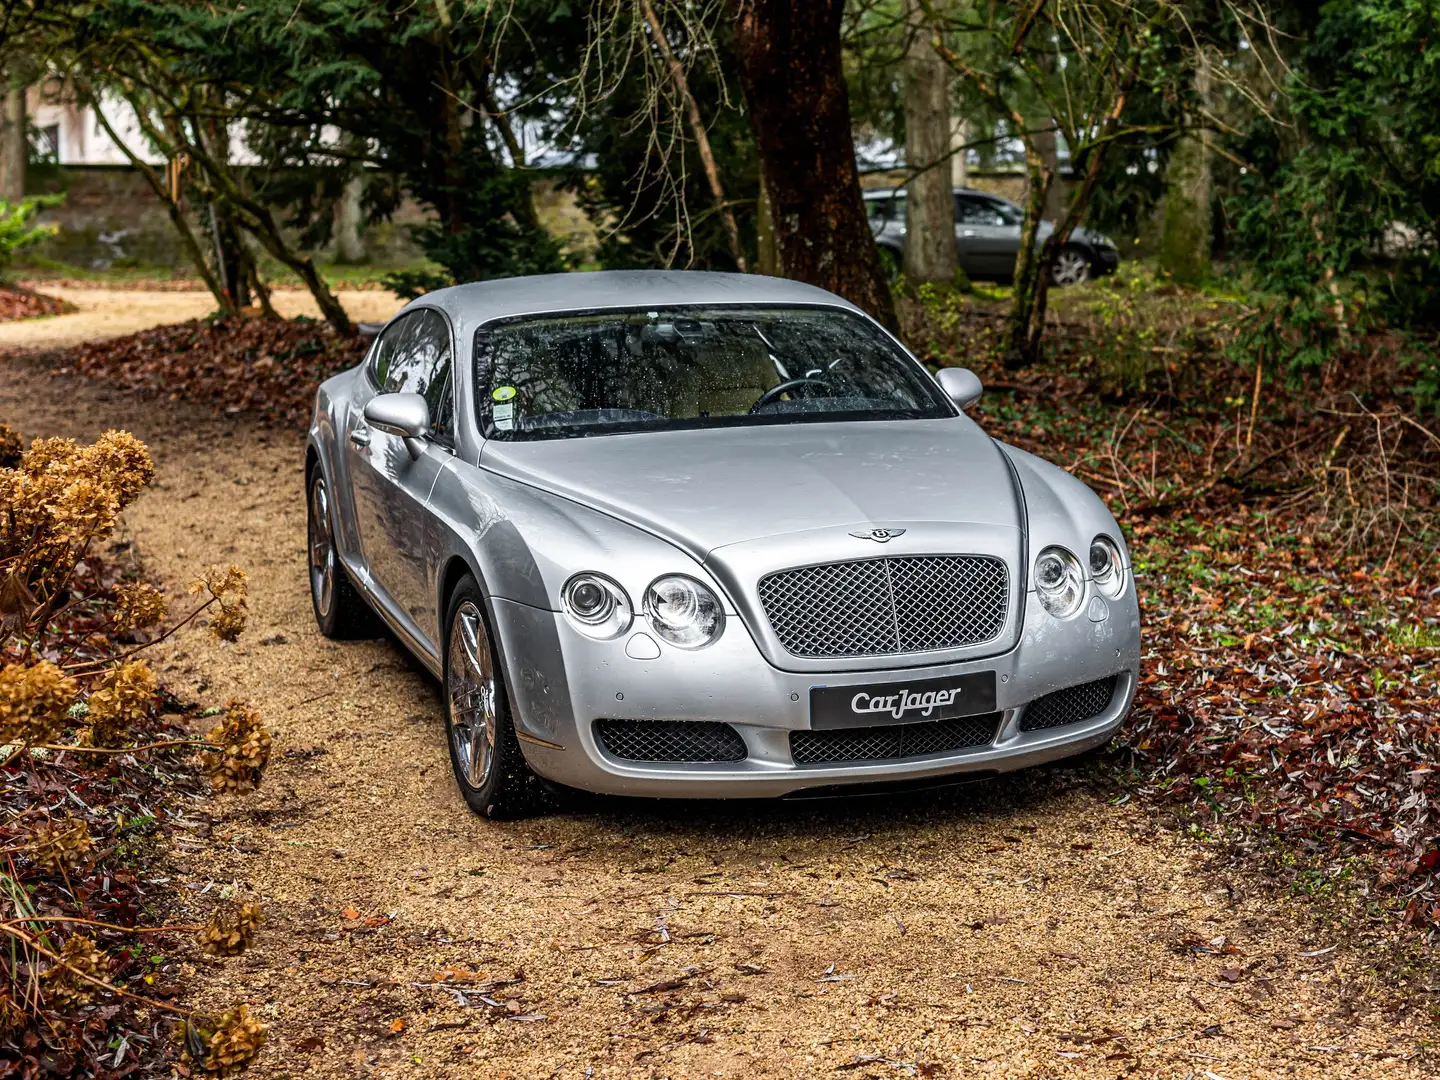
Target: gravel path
[1022,928]
[107,313]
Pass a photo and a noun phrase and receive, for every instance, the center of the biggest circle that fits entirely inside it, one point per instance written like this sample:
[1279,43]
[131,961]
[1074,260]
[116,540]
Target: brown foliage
[33,702]
[227,587]
[225,1046]
[245,750]
[64,985]
[120,703]
[61,847]
[258,365]
[138,606]
[230,929]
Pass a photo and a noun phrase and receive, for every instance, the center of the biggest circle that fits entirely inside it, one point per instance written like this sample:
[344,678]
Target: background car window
[414,357]
[973,211]
[888,209]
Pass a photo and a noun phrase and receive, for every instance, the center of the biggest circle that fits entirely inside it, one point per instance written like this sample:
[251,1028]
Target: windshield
[599,374]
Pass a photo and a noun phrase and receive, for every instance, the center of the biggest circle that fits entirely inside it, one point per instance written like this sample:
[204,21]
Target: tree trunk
[1054,208]
[14,146]
[231,259]
[1185,230]
[349,247]
[959,167]
[1022,334]
[930,252]
[767,253]
[790,69]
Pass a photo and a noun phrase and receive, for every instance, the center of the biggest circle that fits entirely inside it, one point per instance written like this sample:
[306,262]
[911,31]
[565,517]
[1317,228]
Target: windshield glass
[599,374]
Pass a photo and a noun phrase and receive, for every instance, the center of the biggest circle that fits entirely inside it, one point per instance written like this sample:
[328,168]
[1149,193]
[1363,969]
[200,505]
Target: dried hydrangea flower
[138,606]
[228,587]
[120,702]
[222,1047]
[33,702]
[120,461]
[12,447]
[60,847]
[230,929]
[62,983]
[244,750]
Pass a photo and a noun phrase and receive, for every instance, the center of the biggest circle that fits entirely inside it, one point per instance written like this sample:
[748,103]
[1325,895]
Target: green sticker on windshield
[502,393]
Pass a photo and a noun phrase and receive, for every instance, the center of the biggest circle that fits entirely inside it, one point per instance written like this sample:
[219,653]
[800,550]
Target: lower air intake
[1069,706]
[892,741]
[669,740]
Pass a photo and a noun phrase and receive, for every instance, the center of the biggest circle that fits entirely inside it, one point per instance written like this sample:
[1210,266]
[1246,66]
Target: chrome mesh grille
[669,740]
[892,741]
[1069,706]
[872,607]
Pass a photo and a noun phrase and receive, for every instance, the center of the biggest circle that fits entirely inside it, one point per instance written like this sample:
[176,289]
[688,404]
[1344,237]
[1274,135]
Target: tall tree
[789,57]
[14,143]
[1185,228]
[930,252]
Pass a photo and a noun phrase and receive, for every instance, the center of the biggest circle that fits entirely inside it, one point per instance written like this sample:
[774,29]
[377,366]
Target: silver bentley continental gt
[708,535]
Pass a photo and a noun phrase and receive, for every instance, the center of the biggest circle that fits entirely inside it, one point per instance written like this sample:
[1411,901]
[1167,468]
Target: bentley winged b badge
[880,536]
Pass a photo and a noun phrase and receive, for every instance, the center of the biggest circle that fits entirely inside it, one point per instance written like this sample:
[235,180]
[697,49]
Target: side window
[433,353]
[413,357]
[382,358]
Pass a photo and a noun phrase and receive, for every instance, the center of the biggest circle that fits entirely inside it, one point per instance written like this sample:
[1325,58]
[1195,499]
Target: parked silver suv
[987,232]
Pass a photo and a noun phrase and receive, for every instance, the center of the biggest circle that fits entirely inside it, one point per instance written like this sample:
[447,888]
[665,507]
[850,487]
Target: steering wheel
[789,384]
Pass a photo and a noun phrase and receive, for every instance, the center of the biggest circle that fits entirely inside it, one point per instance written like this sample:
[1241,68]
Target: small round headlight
[683,611]
[1059,582]
[1107,567]
[596,605]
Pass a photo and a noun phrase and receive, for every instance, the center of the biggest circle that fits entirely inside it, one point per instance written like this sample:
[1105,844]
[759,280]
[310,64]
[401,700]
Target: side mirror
[405,415]
[961,385]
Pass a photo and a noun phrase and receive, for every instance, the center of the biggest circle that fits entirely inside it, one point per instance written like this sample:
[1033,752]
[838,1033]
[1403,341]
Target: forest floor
[1036,925]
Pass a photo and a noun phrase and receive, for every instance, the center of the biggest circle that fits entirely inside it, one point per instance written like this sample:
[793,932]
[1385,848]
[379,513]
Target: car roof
[887,193]
[482,301]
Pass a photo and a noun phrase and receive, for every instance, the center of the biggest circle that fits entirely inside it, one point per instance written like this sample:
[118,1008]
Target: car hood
[706,489]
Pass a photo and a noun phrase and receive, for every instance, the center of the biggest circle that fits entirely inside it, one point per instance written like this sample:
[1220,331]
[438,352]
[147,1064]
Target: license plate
[833,707]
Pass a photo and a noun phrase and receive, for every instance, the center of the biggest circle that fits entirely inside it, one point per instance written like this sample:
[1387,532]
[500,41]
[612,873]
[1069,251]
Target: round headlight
[596,605]
[683,611]
[1107,568]
[1059,582]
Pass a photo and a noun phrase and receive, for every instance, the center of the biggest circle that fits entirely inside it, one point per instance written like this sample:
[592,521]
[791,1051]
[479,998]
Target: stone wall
[111,219]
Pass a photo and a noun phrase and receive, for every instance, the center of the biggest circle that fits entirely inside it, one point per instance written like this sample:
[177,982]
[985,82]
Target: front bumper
[561,682]
[1107,261]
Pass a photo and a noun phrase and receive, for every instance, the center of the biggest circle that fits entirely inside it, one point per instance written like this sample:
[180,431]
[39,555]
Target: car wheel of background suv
[1071,266]
[489,765]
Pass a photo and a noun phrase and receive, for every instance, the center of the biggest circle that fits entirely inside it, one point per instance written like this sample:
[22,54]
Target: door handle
[360,436]
[968,232]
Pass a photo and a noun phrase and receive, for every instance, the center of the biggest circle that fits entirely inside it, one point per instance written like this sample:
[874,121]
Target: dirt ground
[106,313]
[1026,927]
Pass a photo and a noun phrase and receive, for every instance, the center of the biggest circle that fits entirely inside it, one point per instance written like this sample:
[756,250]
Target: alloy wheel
[322,548]
[1071,267]
[470,691]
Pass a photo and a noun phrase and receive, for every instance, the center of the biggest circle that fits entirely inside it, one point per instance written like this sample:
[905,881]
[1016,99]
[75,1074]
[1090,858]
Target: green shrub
[16,230]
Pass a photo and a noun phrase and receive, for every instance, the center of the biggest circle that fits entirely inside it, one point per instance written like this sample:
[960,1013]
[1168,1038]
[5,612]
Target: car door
[988,242]
[390,486]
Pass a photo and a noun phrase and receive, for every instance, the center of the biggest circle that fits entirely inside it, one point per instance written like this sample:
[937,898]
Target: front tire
[1071,266]
[340,611]
[489,766]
